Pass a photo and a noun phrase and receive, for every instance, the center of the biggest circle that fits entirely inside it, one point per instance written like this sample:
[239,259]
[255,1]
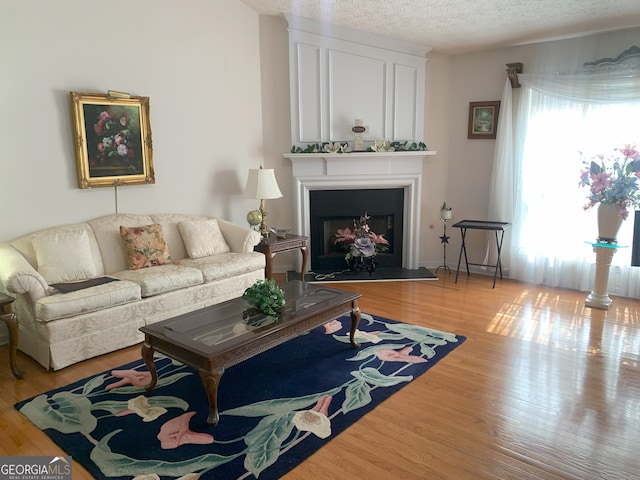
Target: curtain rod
[633,51]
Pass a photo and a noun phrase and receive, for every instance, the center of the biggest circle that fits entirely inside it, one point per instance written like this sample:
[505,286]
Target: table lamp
[262,185]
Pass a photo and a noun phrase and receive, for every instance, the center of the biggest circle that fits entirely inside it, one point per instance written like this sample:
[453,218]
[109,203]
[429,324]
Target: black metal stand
[356,264]
[482,225]
[444,239]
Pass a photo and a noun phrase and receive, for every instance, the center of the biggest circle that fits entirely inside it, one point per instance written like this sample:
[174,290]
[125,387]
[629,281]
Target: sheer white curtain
[537,169]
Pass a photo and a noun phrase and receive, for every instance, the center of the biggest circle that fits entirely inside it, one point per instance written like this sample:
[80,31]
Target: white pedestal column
[599,298]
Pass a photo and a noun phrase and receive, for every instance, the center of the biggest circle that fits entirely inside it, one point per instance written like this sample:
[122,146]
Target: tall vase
[609,222]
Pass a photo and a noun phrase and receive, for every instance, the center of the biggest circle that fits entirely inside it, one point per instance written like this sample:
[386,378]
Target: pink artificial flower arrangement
[613,179]
[361,241]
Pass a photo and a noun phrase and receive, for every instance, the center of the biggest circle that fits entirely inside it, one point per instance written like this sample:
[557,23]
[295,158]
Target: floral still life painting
[613,179]
[317,385]
[112,137]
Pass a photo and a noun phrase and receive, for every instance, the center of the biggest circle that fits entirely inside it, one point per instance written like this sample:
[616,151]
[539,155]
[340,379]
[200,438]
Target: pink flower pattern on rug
[399,356]
[176,432]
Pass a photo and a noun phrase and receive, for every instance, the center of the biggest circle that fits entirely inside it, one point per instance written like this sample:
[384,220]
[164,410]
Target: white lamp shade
[262,184]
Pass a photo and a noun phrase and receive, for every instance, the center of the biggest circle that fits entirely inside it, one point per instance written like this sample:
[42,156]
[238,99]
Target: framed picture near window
[112,139]
[483,119]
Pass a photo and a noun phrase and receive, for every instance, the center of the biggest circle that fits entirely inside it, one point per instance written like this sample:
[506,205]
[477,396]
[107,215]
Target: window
[540,177]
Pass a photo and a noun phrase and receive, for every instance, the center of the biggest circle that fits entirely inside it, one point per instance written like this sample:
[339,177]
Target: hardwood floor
[543,388]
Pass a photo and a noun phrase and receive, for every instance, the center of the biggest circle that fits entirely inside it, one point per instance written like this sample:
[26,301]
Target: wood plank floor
[543,388]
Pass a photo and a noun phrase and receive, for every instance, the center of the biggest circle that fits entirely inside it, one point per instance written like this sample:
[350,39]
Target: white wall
[198,61]
[274,53]
[436,169]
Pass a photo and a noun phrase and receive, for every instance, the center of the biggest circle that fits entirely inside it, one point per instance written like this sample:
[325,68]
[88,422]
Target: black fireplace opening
[331,210]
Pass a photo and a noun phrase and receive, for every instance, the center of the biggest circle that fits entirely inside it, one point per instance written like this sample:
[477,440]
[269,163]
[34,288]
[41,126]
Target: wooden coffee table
[217,337]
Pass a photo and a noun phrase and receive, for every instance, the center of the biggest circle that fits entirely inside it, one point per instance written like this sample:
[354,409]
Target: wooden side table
[272,245]
[10,319]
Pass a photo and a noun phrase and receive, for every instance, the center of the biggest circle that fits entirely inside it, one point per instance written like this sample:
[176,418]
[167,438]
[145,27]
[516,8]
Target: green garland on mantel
[407,146]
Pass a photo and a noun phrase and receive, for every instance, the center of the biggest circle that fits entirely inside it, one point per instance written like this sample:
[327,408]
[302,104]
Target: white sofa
[211,260]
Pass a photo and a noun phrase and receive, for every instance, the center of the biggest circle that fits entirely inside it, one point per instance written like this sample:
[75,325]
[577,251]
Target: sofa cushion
[145,245]
[64,255]
[203,238]
[225,265]
[107,235]
[24,244]
[162,278]
[87,300]
[171,232]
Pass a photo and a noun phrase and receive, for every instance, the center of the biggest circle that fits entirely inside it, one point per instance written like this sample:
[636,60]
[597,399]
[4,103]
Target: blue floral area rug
[276,408]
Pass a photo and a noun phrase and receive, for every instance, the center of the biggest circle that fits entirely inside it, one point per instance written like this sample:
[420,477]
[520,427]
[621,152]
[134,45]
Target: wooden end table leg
[211,381]
[305,257]
[147,356]
[268,273]
[355,320]
[12,324]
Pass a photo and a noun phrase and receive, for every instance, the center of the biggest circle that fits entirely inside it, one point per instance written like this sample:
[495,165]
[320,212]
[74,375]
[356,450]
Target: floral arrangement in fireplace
[362,244]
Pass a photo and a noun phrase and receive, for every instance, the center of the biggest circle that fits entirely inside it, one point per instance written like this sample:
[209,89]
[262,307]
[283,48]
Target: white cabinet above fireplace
[338,75]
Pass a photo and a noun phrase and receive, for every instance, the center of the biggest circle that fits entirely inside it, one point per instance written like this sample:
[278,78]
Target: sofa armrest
[18,276]
[240,239]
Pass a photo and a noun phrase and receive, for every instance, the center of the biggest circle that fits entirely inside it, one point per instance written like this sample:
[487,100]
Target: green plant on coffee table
[266,297]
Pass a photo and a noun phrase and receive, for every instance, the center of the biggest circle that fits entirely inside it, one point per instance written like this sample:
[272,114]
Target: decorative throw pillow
[203,238]
[64,256]
[145,245]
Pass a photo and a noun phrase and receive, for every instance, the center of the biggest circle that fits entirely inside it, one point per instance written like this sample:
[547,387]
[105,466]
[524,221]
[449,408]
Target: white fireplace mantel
[362,170]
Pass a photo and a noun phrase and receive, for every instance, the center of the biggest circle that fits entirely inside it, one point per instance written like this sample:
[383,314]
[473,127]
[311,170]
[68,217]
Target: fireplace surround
[333,210]
[362,170]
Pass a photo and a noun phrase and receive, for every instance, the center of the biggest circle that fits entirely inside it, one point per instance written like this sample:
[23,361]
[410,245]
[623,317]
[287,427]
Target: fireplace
[330,210]
[363,171]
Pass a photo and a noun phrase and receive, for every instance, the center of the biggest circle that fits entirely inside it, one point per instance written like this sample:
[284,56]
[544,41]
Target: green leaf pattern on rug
[356,395]
[374,377]
[72,415]
[265,440]
[422,334]
[93,384]
[278,406]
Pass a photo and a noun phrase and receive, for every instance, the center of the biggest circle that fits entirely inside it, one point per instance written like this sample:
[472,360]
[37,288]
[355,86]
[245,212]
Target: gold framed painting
[483,119]
[112,139]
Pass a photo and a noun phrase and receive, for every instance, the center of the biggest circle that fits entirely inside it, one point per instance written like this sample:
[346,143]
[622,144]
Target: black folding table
[497,227]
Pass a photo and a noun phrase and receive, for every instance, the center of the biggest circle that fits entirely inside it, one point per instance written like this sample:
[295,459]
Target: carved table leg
[147,356]
[305,257]
[269,266]
[355,320]
[12,324]
[211,381]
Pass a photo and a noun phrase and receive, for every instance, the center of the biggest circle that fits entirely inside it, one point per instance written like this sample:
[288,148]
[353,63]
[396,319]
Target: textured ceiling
[464,26]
